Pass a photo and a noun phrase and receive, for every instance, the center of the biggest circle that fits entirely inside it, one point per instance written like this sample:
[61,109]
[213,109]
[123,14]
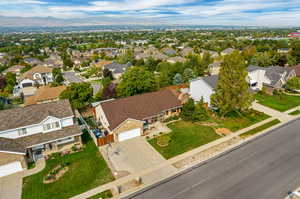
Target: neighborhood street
[264,168]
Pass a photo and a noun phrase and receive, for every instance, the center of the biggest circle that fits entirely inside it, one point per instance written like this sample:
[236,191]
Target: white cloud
[18,2]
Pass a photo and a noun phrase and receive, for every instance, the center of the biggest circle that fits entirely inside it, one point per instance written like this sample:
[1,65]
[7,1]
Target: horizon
[272,13]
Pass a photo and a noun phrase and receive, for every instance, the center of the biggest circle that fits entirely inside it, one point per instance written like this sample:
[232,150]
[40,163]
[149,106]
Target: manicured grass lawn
[283,103]
[184,137]
[103,195]
[87,170]
[297,112]
[237,122]
[260,128]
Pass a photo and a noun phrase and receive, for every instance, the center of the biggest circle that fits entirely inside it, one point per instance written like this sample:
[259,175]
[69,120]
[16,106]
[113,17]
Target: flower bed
[56,173]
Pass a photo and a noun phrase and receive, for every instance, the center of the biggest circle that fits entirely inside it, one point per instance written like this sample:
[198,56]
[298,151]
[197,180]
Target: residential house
[45,94]
[203,88]
[272,77]
[174,60]
[130,117]
[54,61]
[159,56]
[227,51]
[39,75]
[32,61]
[186,51]
[117,69]
[214,68]
[169,51]
[30,133]
[16,69]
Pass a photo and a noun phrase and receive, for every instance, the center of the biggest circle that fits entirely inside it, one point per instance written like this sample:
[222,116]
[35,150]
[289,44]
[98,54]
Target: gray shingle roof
[117,68]
[211,80]
[274,73]
[34,114]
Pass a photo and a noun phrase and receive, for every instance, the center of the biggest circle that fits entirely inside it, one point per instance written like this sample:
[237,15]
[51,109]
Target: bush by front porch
[87,169]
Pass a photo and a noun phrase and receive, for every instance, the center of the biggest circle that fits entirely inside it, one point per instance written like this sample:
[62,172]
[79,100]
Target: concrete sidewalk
[282,116]
[157,168]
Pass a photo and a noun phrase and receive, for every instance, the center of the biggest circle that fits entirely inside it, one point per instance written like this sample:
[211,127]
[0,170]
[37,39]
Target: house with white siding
[32,132]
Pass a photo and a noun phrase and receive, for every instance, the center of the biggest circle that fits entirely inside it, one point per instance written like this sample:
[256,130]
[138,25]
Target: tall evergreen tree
[232,91]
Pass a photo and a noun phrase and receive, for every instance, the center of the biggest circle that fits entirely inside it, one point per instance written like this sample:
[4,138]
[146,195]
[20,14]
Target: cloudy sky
[202,12]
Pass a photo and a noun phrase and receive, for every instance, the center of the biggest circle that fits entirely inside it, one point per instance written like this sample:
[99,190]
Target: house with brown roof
[39,75]
[130,117]
[45,94]
[16,69]
[30,133]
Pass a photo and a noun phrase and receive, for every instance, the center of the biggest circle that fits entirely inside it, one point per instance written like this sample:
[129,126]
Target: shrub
[163,140]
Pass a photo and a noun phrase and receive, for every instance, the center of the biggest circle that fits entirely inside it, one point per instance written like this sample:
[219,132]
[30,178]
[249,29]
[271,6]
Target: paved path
[282,116]
[265,168]
[39,166]
[11,186]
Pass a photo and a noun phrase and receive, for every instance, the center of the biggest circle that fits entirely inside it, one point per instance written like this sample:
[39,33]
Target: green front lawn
[184,137]
[87,170]
[260,128]
[103,195]
[236,122]
[281,103]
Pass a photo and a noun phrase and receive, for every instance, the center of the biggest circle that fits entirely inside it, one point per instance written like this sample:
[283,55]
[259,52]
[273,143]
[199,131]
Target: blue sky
[206,12]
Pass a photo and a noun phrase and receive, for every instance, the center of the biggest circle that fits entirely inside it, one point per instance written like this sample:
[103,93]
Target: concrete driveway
[11,186]
[136,155]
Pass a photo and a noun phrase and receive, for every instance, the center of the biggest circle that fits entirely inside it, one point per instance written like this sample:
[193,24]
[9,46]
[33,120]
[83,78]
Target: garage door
[129,134]
[10,168]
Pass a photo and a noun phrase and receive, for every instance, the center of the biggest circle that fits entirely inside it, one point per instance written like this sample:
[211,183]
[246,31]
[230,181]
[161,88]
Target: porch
[61,145]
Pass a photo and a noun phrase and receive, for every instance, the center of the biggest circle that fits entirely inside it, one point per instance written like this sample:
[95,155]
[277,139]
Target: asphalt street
[265,168]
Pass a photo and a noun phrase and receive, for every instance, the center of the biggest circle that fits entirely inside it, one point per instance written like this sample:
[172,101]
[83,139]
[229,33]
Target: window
[50,126]
[65,140]
[22,131]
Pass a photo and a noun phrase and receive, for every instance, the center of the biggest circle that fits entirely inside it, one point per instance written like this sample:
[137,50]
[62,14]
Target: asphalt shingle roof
[139,107]
[34,114]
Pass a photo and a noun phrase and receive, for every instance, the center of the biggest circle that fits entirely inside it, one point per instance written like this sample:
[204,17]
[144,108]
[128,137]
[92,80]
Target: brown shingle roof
[11,145]
[28,141]
[38,69]
[139,106]
[45,93]
[20,144]
[34,114]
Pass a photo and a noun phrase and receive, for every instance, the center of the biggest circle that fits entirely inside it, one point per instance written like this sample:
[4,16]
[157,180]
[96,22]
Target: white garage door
[129,134]
[10,168]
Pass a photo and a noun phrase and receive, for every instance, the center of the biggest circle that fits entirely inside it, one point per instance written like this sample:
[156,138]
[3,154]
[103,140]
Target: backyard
[281,102]
[86,170]
[184,137]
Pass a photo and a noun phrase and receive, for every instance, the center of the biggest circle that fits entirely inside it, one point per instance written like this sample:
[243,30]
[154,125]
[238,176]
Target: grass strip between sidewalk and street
[260,128]
[103,195]
[296,112]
